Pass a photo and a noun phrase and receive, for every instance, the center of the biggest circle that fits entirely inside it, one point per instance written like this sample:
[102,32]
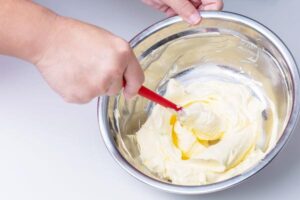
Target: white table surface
[53,150]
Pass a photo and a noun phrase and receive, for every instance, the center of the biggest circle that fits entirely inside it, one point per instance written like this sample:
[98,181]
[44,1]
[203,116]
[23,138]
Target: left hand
[187,9]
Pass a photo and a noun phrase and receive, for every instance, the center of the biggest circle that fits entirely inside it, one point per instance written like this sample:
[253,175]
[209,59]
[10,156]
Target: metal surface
[273,66]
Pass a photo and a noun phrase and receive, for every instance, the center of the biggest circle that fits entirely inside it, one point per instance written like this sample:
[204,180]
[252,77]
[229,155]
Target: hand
[81,61]
[187,9]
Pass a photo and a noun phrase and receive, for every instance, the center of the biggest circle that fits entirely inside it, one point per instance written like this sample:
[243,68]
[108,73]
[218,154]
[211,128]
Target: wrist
[43,36]
[25,29]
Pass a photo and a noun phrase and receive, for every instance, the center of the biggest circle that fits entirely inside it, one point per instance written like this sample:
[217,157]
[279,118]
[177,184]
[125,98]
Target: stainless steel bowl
[172,47]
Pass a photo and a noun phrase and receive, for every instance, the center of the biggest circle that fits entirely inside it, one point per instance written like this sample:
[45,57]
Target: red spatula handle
[153,96]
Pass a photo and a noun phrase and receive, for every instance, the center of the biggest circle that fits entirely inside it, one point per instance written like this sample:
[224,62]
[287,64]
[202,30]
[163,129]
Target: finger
[185,9]
[170,12]
[115,87]
[196,3]
[148,2]
[212,5]
[163,8]
[99,82]
[154,4]
[134,77]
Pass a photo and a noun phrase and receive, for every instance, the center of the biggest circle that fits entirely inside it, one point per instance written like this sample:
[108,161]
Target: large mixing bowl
[171,49]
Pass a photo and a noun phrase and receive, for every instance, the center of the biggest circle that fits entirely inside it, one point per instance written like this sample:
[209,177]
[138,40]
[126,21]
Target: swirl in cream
[220,134]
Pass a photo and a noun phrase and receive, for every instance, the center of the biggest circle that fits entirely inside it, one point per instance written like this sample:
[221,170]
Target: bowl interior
[177,50]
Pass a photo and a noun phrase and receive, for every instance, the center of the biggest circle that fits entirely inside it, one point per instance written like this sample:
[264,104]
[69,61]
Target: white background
[53,150]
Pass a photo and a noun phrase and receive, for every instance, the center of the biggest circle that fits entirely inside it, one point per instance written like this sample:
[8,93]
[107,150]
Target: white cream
[218,136]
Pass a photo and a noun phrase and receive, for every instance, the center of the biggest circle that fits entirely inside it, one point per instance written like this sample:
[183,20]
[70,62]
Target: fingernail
[194,18]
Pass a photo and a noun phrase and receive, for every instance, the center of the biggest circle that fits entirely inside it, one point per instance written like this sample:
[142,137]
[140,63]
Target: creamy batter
[220,134]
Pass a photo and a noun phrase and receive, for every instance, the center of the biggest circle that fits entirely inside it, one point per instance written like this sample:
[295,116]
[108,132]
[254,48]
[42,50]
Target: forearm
[25,29]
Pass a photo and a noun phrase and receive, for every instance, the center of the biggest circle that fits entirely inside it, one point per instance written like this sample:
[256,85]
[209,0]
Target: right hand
[80,62]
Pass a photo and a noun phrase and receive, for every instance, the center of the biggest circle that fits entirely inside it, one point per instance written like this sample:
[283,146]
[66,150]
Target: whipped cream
[220,133]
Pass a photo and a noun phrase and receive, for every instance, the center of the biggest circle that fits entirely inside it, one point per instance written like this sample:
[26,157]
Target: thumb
[185,9]
[133,76]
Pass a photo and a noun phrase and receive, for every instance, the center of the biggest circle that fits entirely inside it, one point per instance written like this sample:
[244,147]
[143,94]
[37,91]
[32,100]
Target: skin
[187,9]
[78,60]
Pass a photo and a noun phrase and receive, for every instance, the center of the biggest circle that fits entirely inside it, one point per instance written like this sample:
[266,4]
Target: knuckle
[69,97]
[97,89]
[76,98]
[123,47]
[84,99]
[96,84]
[69,100]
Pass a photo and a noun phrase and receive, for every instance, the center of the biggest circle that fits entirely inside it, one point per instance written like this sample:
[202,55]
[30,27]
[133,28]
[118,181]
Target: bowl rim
[202,189]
